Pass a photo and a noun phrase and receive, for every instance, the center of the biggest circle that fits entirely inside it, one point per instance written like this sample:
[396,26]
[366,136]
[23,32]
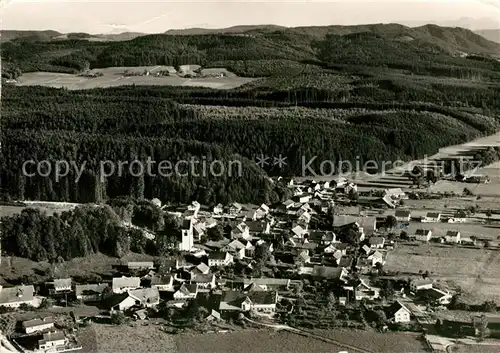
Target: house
[268,284]
[452,237]
[187,236]
[468,241]
[219,258]
[241,231]
[303,258]
[13,297]
[424,235]
[259,227]
[257,302]
[204,281]
[458,217]
[163,283]
[298,232]
[235,208]
[328,272]
[90,292]
[123,284]
[37,325]
[432,217]
[377,242]
[387,201]
[145,265]
[420,284]
[218,210]
[402,215]
[213,316]
[396,194]
[62,285]
[201,269]
[376,257]
[302,198]
[146,297]
[186,291]
[364,225]
[194,208]
[364,291]
[399,313]
[199,230]
[235,248]
[52,341]
[435,295]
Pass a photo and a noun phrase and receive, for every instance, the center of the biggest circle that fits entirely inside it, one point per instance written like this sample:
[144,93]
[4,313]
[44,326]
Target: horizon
[153,17]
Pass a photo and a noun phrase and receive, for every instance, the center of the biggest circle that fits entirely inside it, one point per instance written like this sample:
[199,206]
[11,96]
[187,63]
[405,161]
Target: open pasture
[114,76]
[475,271]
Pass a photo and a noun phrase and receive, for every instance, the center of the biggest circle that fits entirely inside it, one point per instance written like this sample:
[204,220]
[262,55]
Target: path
[309,334]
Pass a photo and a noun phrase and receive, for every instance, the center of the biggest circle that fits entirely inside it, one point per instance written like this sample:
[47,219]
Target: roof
[217,255]
[202,267]
[203,278]
[236,244]
[452,233]
[187,223]
[62,282]
[146,295]
[396,306]
[114,300]
[376,240]
[257,226]
[432,293]
[38,322]
[166,279]
[188,289]
[422,231]
[232,300]
[52,336]
[328,272]
[16,294]
[402,213]
[268,281]
[143,264]
[90,289]
[121,282]
[367,223]
[433,214]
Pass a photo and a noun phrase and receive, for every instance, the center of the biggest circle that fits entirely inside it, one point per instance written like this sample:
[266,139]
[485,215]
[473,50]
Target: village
[319,260]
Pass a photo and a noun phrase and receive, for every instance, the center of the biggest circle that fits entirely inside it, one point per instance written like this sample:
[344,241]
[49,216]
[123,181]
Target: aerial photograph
[310,176]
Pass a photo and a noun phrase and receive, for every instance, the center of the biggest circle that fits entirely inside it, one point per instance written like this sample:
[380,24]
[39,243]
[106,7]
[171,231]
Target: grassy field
[477,272]
[114,76]
[252,342]
[134,338]
[390,342]
[465,348]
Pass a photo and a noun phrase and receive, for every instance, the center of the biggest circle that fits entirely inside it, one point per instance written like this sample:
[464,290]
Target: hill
[229,30]
[490,34]
[8,35]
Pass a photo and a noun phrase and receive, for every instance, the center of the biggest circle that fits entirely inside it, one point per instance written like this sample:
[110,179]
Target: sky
[113,16]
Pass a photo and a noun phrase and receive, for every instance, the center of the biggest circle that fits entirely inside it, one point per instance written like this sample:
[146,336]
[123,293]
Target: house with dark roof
[13,297]
[258,301]
[402,215]
[424,235]
[432,217]
[186,291]
[219,258]
[38,325]
[90,292]
[399,313]
[53,341]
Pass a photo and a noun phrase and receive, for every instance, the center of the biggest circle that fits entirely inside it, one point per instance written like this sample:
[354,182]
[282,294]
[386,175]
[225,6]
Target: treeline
[83,231]
[90,229]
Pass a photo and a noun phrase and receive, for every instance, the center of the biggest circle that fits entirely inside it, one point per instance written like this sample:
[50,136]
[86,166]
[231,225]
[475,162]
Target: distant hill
[120,36]
[8,35]
[229,30]
[447,38]
[490,34]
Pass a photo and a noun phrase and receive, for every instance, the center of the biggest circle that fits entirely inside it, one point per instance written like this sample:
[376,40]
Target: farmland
[133,338]
[476,272]
[114,76]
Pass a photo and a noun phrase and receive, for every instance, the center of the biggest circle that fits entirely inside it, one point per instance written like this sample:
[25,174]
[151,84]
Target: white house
[218,210]
[52,341]
[399,313]
[241,231]
[123,284]
[432,217]
[452,237]
[424,235]
[377,242]
[13,297]
[37,325]
[186,291]
[163,283]
[420,284]
[219,258]
[402,215]
[62,285]
[235,248]
[90,292]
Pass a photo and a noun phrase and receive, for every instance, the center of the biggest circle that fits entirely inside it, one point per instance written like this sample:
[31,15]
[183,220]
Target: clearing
[115,76]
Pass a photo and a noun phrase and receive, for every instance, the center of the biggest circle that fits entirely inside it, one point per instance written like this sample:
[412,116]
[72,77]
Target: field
[477,272]
[114,76]
[134,338]
[252,342]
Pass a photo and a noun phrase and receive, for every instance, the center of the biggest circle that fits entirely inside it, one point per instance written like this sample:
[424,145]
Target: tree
[391,222]
[215,233]
[488,214]
[481,326]
[7,324]
[381,318]
[489,306]
[387,291]
[353,195]
[118,318]
[380,268]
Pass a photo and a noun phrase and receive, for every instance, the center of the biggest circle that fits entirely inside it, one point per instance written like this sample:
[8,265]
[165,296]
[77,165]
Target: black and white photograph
[308,176]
